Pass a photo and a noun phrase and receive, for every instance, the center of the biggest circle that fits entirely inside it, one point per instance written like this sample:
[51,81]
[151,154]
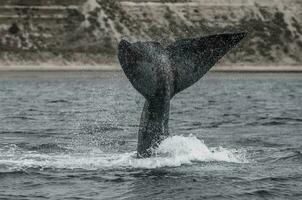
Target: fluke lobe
[159,73]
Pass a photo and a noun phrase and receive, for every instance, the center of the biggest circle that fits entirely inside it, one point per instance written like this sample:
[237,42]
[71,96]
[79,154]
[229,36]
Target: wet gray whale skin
[159,73]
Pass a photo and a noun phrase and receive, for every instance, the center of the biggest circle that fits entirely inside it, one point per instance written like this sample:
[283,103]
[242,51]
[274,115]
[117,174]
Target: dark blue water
[72,135]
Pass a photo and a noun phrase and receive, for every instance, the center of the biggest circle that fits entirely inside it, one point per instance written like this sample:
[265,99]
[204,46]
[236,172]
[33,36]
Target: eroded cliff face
[86,31]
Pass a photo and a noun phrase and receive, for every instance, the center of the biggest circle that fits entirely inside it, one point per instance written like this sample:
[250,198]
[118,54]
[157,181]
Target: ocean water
[72,135]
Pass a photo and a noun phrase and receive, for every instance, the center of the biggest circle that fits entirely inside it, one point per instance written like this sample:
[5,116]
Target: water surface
[68,135]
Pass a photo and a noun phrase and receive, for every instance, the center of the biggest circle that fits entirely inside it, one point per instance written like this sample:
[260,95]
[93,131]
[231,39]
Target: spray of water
[172,152]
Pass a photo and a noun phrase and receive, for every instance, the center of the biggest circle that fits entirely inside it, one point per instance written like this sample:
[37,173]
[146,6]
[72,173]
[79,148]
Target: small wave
[261,192]
[288,119]
[58,101]
[295,156]
[21,118]
[17,132]
[273,123]
[47,148]
[258,141]
[172,152]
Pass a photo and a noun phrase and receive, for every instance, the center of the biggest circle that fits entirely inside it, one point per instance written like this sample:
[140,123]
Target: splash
[179,150]
[173,152]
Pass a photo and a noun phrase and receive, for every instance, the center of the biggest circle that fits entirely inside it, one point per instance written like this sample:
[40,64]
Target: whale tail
[187,60]
[159,73]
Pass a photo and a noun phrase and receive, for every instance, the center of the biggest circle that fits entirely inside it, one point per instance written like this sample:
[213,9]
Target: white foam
[178,150]
[172,152]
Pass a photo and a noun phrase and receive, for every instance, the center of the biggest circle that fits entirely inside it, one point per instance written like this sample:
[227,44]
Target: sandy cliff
[88,32]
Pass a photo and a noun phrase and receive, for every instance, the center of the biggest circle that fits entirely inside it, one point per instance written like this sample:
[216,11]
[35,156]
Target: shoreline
[258,69]
[116,67]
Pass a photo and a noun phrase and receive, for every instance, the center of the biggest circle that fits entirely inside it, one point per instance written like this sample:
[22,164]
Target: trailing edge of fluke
[159,73]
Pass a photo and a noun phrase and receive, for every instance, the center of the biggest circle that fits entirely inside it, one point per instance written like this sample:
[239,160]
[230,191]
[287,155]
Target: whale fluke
[193,58]
[159,73]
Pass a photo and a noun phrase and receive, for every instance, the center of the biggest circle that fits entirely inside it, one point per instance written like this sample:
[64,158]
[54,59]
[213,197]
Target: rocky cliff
[87,32]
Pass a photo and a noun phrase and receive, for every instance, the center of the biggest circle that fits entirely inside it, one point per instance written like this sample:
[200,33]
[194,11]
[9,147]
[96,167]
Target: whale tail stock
[159,73]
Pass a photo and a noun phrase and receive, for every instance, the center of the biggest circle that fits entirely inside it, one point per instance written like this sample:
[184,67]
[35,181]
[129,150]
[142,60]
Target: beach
[116,67]
[73,67]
